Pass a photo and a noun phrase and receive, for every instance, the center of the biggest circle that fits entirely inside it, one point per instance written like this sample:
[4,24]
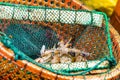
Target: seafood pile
[62,54]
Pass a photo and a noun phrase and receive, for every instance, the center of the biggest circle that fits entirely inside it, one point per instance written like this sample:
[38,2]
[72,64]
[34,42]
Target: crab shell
[56,59]
[66,58]
[79,58]
[45,57]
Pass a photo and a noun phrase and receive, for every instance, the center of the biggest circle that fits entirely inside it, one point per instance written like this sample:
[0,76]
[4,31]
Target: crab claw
[68,43]
[39,60]
[42,49]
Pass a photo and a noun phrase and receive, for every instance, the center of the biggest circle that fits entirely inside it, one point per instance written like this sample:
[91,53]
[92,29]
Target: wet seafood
[55,59]
[62,54]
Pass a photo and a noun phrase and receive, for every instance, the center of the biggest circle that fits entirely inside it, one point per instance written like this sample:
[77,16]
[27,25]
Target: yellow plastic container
[106,6]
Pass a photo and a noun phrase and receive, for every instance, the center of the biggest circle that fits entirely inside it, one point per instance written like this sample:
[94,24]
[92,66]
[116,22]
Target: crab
[62,54]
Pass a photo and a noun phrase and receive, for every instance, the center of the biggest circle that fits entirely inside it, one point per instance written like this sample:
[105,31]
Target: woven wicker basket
[94,75]
[115,18]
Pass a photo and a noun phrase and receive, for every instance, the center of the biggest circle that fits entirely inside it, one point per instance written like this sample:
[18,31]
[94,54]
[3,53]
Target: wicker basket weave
[113,73]
[115,18]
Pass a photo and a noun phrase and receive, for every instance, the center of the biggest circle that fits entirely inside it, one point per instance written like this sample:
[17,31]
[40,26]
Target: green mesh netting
[30,40]
[27,28]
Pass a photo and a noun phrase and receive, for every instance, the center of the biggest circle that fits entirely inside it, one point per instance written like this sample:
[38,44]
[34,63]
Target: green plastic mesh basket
[25,29]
